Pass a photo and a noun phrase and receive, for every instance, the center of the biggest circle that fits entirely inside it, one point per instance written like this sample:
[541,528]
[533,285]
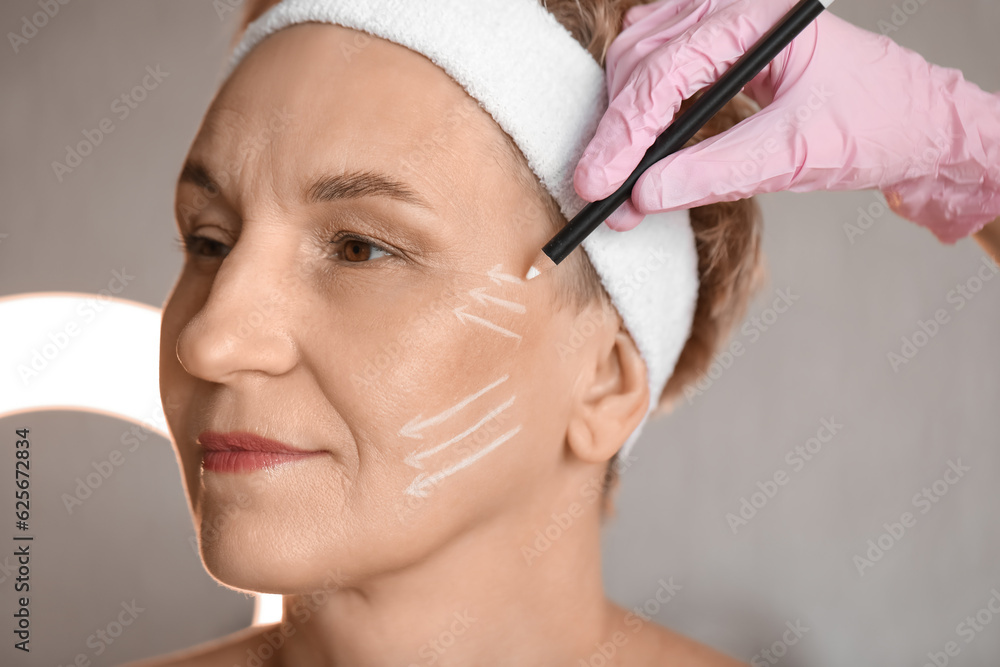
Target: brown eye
[200,246]
[357,250]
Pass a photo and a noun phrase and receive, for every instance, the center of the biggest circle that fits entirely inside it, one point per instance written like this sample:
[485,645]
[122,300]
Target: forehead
[308,99]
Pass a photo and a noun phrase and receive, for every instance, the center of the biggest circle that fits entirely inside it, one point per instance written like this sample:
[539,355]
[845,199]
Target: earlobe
[611,405]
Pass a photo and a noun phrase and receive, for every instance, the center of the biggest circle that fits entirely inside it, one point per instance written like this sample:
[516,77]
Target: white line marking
[422,482]
[463,316]
[414,458]
[479,295]
[497,275]
[412,428]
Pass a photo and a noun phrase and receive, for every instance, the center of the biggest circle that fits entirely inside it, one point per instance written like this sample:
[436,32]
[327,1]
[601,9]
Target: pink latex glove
[842,109]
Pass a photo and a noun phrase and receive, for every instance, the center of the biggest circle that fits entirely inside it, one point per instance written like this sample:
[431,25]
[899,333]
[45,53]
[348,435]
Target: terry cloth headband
[548,93]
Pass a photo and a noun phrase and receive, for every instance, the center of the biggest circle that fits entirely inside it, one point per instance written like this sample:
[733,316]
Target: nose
[244,323]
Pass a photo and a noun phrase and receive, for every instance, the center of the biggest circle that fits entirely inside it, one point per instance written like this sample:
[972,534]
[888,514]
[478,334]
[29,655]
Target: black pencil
[685,126]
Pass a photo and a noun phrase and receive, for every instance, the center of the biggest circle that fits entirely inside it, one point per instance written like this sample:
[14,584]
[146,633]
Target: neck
[528,591]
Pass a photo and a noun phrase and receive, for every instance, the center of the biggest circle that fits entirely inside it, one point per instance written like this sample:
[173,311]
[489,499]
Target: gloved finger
[670,74]
[652,26]
[625,217]
[756,156]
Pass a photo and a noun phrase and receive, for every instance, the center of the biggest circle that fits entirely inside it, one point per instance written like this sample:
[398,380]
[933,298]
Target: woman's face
[351,291]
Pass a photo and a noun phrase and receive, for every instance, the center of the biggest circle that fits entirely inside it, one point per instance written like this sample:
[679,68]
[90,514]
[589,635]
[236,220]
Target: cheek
[427,387]
[492,419]
[428,354]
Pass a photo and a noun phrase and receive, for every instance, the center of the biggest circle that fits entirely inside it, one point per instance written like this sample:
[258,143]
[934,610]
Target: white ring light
[90,353]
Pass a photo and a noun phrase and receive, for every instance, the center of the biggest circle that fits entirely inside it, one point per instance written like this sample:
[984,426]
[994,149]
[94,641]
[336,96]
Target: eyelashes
[350,247]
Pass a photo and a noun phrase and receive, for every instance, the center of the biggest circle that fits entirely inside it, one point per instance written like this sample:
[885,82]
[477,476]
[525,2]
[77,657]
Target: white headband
[548,93]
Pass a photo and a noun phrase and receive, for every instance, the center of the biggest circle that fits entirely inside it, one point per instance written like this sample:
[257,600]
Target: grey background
[824,357]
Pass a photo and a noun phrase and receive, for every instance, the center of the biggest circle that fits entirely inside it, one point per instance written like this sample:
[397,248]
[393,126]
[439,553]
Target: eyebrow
[351,184]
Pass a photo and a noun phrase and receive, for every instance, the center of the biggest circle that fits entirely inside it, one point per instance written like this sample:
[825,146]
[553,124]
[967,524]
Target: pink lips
[240,451]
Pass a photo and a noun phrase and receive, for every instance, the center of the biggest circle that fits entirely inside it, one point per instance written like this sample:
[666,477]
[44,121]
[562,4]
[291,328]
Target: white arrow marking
[412,428]
[422,482]
[414,458]
[479,295]
[497,275]
[462,316]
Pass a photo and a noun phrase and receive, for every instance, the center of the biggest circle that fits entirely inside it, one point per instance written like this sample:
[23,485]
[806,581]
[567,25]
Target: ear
[611,401]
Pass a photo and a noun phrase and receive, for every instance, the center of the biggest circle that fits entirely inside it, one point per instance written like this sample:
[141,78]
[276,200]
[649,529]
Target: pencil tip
[538,267]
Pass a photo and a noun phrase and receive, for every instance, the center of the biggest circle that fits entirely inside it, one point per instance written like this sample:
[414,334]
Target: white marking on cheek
[497,275]
[422,482]
[413,427]
[483,299]
[479,294]
[414,458]
[463,317]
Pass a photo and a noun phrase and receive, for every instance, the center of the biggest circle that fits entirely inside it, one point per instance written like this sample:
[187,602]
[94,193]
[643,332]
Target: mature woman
[377,416]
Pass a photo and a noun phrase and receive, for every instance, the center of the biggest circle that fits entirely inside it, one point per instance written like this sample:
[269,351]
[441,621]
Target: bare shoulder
[653,644]
[224,651]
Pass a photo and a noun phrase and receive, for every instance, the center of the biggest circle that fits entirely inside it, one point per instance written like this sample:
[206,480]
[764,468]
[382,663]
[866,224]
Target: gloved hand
[841,109]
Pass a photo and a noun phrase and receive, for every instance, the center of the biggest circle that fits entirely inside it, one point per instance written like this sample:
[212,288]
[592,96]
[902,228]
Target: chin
[250,562]
[254,544]
[248,546]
